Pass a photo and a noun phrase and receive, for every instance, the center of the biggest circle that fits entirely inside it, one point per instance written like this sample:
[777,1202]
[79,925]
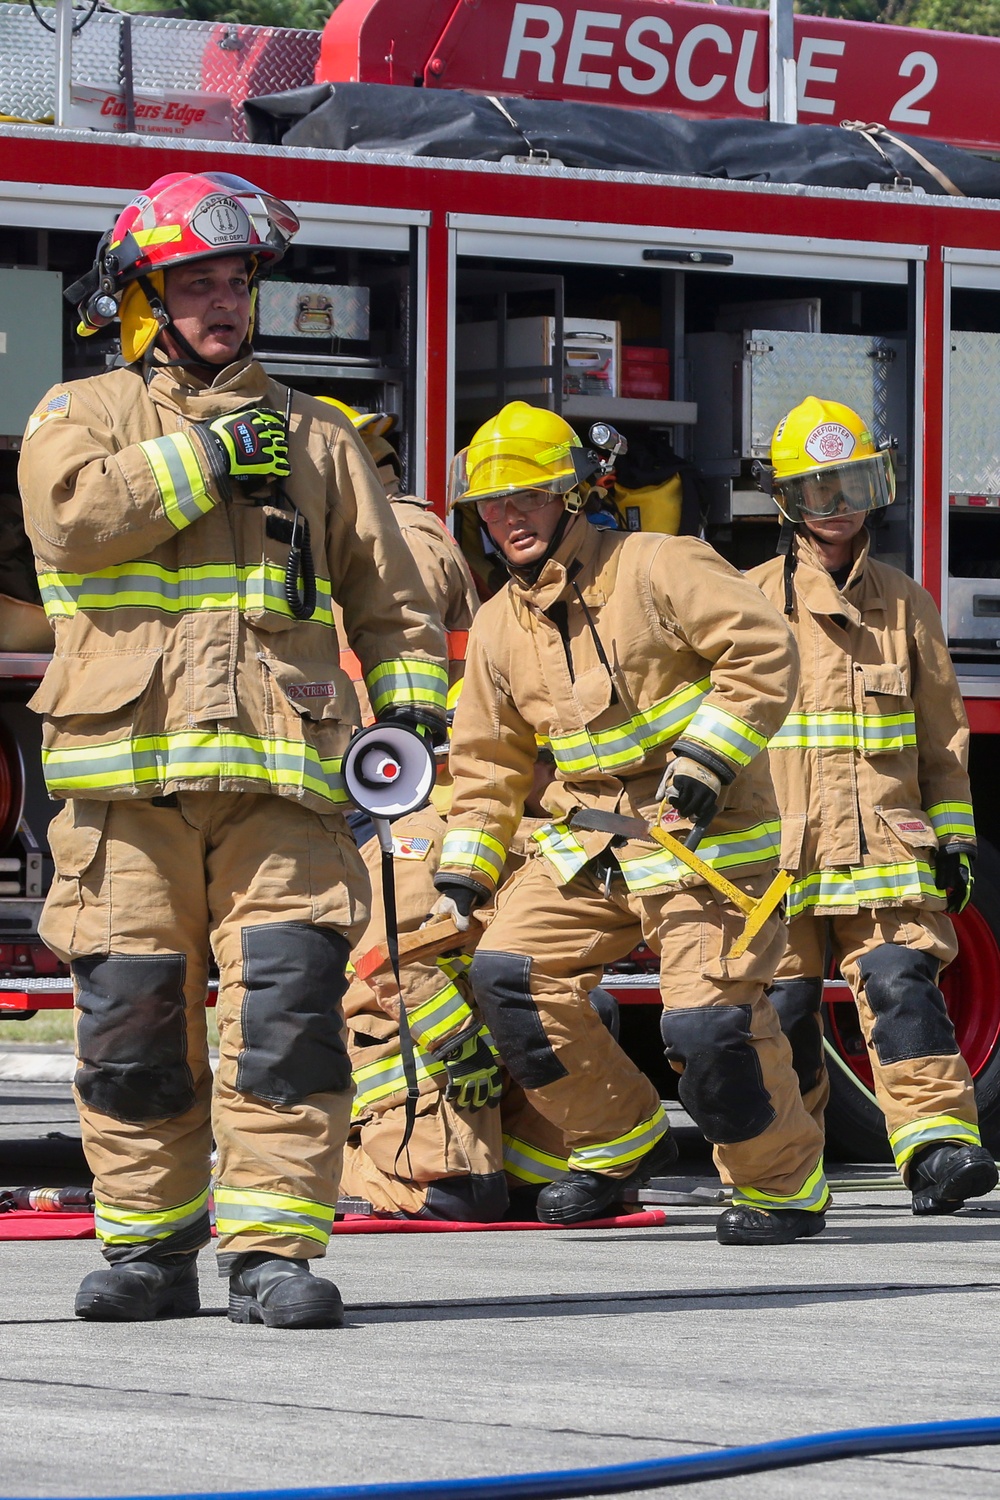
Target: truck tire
[971,986]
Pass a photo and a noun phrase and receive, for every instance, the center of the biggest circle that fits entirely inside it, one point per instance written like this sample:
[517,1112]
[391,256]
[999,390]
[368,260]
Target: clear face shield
[514,469]
[837,489]
[272,218]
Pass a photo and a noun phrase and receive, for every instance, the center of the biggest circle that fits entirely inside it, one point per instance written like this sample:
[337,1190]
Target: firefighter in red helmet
[193,525]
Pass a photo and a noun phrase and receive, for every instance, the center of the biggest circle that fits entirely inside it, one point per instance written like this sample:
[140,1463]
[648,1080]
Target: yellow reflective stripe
[902,884]
[719,730]
[628,742]
[174,591]
[444,1012]
[563,851]
[952,820]
[623,1150]
[911,1138]
[133,1226]
[759,845]
[474,850]
[407,679]
[151,760]
[812,1196]
[528,1164]
[869,734]
[455,964]
[176,468]
[241,1211]
[375,1082]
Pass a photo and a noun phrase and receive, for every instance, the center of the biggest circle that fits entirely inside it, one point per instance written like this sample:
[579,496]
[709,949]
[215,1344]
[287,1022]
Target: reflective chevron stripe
[812,1196]
[151,760]
[605,1156]
[136,1226]
[909,1139]
[952,820]
[624,744]
[407,679]
[528,1164]
[903,884]
[175,591]
[723,732]
[468,849]
[869,734]
[241,1211]
[561,849]
[445,1012]
[176,468]
[759,845]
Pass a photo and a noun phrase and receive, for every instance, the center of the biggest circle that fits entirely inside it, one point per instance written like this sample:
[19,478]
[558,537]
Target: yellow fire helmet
[825,460]
[378,423]
[522,448]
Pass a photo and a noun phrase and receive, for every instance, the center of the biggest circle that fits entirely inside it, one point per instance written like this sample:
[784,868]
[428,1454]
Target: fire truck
[689,309]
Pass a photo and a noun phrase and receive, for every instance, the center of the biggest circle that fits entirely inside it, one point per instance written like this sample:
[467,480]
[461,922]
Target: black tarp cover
[448,123]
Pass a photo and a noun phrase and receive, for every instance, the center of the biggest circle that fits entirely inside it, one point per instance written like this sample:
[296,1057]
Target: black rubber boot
[283,1293]
[576,1197]
[767,1226]
[137,1291]
[942,1177]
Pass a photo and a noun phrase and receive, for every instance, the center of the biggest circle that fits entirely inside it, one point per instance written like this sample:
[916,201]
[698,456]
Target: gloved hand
[456,901]
[473,1065]
[423,721]
[692,788]
[954,873]
[251,444]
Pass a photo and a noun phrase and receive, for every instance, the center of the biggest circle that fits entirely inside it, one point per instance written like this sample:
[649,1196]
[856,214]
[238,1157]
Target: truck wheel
[971,988]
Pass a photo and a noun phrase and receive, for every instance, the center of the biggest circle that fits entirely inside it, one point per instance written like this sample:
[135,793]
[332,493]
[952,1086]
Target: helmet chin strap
[530,573]
[167,325]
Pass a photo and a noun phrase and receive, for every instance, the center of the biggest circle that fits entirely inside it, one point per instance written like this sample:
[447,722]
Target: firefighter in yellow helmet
[193,523]
[652,670]
[870,773]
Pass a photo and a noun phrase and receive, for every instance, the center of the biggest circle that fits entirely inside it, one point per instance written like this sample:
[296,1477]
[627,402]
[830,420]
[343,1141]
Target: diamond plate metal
[868,374]
[974,406]
[235,62]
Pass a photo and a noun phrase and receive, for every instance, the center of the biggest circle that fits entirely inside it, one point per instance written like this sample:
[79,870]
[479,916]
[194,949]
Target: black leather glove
[692,788]
[954,873]
[423,721]
[473,1065]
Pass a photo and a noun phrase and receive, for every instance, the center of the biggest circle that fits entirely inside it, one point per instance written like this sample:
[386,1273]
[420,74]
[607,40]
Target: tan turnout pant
[891,957]
[142,892]
[544,951]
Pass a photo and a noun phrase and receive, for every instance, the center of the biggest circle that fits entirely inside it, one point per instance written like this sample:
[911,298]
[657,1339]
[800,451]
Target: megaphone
[388,771]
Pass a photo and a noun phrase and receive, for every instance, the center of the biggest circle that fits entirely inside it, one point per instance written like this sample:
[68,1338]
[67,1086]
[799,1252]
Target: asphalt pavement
[501,1353]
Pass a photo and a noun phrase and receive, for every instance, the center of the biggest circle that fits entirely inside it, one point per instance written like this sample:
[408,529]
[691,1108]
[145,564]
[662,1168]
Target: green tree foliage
[310,15]
[976,17]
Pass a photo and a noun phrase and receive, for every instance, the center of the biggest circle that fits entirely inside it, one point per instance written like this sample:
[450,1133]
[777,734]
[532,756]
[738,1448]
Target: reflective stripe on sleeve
[190,755]
[528,1164]
[759,845]
[952,820]
[812,1196]
[605,1156]
[136,1226]
[624,744]
[909,1139]
[723,732]
[562,850]
[443,1013]
[242,1211]
[175,591]
[176,469]
[407,680]
[868,734]
[904,884]
[470,849]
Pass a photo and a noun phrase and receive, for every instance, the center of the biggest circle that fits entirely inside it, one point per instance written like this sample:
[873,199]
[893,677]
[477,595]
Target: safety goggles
[526,503]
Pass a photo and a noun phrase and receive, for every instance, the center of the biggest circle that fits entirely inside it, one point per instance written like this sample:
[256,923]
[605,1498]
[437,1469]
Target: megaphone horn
[388,771]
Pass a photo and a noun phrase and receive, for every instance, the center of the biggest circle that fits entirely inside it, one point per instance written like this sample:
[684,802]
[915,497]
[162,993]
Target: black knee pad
[132,1036]
[607,1008]
[797,1002]
[476,1199]
[293,1027]
[911,1019]
[501,983]
[722,1087]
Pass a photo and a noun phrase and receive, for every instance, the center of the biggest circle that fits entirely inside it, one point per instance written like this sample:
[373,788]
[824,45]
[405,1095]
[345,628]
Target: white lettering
[744,67]
[686,85]
[648,56]
[816,46]
[581,45]
[904,113]
[543,46]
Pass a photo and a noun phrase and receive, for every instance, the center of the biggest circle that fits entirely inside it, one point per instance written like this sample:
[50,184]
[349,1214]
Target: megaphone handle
[383,831]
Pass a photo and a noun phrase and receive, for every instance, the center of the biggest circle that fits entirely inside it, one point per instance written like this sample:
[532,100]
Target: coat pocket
[592,691]
[317,691]
[263,538]
[75,835]
[94,696]
[793,832]
[910,828]
[884,715]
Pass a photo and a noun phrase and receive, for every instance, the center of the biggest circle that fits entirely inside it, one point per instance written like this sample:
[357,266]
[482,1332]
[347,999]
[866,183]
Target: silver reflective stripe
[280,1218]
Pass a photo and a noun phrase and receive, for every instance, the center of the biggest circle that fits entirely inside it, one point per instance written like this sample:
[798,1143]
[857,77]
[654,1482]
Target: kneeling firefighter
[651,669]
[192,523]
[870,773]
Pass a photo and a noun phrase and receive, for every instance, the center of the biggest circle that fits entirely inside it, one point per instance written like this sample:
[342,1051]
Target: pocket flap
[793,831]
[315,692]
[883,677]
[910,827]
[592,691]
[93,684]
[75,834]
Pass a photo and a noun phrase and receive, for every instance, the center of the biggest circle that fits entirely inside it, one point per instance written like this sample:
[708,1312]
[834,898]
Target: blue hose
[617,1479]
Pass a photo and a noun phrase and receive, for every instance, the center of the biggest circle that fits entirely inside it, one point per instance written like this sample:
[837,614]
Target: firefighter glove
[473,1065]
[954,874]
[692,788]
[423,721]
[250,444]
[456,901]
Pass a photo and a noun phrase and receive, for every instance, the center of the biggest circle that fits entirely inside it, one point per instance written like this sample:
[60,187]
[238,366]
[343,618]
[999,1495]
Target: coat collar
[818,592]
[243,383]
[573,557]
